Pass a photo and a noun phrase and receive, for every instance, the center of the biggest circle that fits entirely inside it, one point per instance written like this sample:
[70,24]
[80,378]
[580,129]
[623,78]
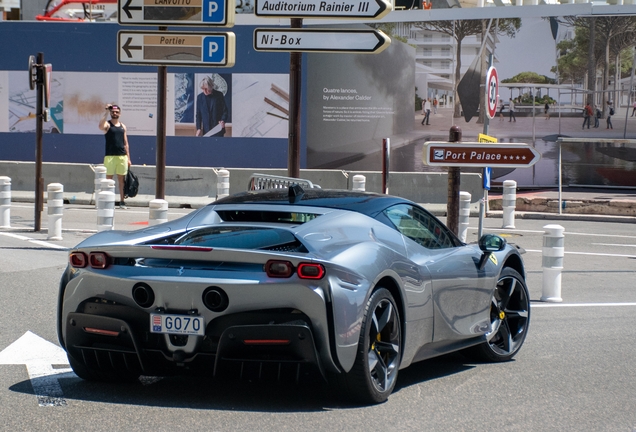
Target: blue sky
[532,50]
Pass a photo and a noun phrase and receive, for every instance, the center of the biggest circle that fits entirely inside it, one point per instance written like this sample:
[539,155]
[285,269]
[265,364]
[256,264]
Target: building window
[427,52]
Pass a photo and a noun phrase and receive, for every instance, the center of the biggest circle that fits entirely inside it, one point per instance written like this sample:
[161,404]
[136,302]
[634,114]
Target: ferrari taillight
[310,271]
[98,260]
[279,269]
[78,259]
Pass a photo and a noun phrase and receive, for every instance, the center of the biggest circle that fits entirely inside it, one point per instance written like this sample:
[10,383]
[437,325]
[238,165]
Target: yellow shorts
[116,165]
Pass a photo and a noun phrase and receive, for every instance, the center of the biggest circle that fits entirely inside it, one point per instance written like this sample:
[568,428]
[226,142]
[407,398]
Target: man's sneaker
[122,205]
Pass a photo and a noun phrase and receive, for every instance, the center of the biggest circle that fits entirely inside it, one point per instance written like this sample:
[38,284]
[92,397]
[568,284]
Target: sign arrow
[39,355]
[127,8]
[321,40]
[503,155]
[177,12]
[302,9]
[127,47]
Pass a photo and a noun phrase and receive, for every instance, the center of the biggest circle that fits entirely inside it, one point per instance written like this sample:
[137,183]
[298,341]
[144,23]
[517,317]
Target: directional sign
[471,154]
[168,48]
[321,40]
[177,12]
[492,90]
[323,9]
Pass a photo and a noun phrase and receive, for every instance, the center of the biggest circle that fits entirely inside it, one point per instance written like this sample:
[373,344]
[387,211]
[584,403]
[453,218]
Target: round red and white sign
[492,90]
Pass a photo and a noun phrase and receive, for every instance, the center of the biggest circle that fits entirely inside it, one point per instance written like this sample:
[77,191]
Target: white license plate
[177,324]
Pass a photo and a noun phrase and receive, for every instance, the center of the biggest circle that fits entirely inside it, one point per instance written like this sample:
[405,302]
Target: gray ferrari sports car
[355,285]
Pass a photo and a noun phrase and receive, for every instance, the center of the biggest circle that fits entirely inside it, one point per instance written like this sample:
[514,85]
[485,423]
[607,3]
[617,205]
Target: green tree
[600,45]
[529,77]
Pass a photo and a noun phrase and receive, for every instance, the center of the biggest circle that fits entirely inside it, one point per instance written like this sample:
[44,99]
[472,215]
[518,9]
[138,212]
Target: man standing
[610,113]
[587,115]
[117,156]
[511,108]
[427,111]
[211,109]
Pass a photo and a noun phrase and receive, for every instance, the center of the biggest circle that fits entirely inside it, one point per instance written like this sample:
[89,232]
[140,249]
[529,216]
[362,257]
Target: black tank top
[115,140]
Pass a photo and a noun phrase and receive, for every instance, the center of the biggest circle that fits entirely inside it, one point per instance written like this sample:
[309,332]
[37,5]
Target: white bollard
[100,174]
[157,212]
[222,184]
[105,185]
[105,211]
[5,202]
[359,183]
[55,209]
[509,202]
[464,215]
[553,252]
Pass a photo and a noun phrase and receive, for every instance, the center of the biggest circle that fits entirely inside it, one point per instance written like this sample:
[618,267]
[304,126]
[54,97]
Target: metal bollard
[359,183]
[55,209]
[222,184]
[5,202]
[157,212]
[105,211]
[553,252]
[509,203]
[464,215]
[100,174]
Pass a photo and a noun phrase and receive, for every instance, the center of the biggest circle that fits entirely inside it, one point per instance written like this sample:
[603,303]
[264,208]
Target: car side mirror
[489,243]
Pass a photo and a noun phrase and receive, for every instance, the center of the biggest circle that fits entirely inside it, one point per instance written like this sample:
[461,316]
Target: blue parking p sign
[214,49]
[214,11]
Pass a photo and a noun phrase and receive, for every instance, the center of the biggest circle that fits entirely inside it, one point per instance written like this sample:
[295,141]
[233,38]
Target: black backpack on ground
[131,185]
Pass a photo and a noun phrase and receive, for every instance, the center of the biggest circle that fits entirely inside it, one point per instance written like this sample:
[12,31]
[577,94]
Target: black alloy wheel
[374,373]
[509,318]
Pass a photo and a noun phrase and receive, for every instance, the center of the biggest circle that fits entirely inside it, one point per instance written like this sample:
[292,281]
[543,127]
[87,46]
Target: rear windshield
[265,216]
[243,238]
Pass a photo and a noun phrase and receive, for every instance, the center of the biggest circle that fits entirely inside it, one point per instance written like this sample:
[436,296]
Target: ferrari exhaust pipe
[215,299]
[143,295]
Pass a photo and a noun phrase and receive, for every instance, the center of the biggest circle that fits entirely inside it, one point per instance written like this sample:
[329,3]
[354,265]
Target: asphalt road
[576,370]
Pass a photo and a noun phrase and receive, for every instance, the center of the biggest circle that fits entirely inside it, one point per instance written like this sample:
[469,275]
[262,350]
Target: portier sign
[169,48]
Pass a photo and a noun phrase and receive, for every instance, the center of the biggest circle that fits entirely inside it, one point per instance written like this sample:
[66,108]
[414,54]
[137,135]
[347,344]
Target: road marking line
[46,386]
[588,253]
[550,305]
[565,232]
[612,244]
[31,240]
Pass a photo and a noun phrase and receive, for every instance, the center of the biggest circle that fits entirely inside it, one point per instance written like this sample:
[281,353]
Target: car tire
[374,373]
[88,374]
[509,319]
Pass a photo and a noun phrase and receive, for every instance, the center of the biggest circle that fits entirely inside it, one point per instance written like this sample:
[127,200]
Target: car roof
[367,203]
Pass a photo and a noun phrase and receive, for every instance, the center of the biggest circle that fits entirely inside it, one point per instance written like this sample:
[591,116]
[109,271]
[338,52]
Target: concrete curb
[566,216]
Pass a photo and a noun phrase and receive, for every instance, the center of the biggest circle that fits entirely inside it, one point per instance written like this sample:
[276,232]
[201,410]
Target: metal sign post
[163,48]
